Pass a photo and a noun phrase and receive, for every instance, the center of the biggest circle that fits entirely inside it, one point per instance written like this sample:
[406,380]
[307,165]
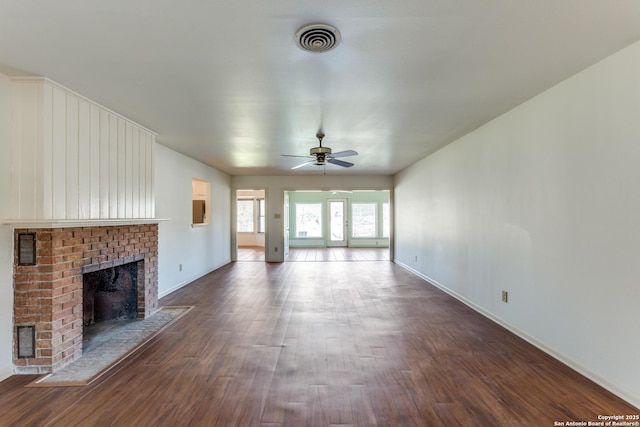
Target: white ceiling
[223,81]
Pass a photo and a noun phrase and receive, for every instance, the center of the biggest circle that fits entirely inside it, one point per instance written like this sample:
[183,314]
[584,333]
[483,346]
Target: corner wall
[542,202]
[187,252]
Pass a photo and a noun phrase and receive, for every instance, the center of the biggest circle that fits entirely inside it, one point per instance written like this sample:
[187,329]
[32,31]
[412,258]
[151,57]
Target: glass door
[337,222]
[286,223]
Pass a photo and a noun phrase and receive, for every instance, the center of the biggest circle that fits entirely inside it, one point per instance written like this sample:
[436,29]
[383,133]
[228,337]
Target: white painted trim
[60,223]
[613,388]
[188,281]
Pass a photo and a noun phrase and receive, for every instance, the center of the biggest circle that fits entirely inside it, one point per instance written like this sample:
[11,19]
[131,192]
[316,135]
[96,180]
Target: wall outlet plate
[505,296]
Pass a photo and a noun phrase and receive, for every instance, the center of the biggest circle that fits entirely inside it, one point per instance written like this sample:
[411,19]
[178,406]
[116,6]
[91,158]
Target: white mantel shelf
[61,223]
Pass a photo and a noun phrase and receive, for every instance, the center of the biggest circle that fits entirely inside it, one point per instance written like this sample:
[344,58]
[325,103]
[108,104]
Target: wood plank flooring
[251,253]
[321,344]
[337,254]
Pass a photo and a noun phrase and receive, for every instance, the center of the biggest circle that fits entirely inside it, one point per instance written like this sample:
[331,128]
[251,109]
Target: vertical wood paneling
[151,203]
[18,92]
[84,160]
[135,173]
[122,185]
[29,151]
[104,164]
[142,174]
[39,155]
[46,184]
[113,166]
[95,161]
[129,171]
[59,147]
[73,159]
[73,156]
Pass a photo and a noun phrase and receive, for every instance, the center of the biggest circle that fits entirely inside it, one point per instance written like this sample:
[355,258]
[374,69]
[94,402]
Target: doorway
[250,225]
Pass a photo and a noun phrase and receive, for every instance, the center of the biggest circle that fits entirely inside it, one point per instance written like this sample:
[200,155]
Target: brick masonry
[49,294]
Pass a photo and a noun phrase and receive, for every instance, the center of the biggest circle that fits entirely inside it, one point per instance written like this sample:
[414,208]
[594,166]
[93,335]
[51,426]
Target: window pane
[363,220]
[308,220]
[336,221]
[261,214]
[385,220]
[245,216]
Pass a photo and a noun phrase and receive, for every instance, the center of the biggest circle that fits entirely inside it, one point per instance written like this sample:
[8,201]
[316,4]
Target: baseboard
[613,388]
[190,280]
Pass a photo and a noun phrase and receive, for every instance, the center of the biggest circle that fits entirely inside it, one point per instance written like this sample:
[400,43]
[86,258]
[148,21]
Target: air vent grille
[317,37]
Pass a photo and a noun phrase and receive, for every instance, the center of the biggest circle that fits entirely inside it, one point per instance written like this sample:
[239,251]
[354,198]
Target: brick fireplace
[49,295]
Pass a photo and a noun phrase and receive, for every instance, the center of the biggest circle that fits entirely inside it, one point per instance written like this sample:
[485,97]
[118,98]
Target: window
[261,215]
[308,219]
[386,223]
[363,219]
[251,215]
[245,216]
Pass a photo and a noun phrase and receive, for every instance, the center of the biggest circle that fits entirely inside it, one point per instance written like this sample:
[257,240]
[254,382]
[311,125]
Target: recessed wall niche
[201,202]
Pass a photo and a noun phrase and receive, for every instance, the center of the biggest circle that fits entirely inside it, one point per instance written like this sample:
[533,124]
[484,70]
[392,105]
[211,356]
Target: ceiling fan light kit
[323,155]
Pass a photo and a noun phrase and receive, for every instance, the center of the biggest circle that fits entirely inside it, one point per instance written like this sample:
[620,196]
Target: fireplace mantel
[62,223]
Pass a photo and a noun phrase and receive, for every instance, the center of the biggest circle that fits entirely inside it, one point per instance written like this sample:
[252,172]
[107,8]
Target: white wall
[201,248]
[543,202]
[6,232]
[275,187]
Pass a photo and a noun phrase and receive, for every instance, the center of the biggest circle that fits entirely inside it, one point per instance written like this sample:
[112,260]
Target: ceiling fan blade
[303,164]
[340,162]
[345,153]
[293,155]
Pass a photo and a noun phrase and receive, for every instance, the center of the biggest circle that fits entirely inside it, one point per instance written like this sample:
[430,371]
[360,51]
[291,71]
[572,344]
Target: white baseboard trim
[613,388]
[191,279]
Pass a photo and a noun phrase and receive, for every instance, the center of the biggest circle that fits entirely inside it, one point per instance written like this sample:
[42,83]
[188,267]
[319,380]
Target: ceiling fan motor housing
[320,150]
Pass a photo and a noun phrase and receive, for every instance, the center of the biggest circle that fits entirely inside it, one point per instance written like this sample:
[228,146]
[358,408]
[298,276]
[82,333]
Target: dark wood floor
[251,253]
[325,343]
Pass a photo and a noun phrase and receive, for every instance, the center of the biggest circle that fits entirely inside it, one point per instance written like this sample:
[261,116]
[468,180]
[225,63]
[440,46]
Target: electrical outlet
[416,258]
[505,296]
[276,249]
[179,267]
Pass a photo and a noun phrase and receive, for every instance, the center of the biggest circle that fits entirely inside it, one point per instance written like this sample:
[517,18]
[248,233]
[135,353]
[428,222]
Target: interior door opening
[250,225]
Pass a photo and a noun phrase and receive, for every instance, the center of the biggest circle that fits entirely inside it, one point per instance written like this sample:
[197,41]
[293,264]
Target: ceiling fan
[323,155]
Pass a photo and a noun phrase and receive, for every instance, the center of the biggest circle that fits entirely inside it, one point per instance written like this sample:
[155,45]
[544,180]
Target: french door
[337,222]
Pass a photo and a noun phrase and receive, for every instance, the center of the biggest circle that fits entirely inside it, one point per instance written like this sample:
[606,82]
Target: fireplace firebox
[110,294]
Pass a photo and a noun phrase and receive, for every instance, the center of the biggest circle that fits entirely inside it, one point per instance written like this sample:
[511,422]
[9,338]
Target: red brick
[43,335]
[45,361]
[45,352]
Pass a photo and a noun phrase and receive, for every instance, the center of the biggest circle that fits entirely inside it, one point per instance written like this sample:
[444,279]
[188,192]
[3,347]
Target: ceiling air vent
[317,37]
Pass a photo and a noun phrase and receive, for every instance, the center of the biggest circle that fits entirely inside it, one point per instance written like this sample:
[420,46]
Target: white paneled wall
[74,159]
